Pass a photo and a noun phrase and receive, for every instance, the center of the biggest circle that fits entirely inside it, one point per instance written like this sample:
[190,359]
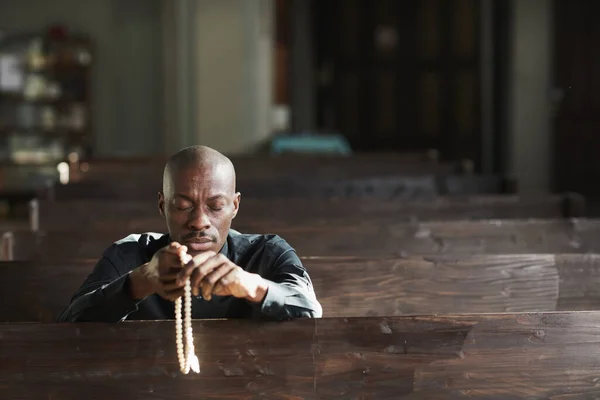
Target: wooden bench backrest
[358,287]
[149,170]
[144,216]
[146,187]
[290,165]
[362,239]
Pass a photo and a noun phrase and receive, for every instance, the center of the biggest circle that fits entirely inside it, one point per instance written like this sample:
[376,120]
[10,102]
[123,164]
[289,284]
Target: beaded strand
[185,354]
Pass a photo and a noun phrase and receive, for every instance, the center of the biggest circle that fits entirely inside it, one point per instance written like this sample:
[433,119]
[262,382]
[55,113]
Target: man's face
[199,207]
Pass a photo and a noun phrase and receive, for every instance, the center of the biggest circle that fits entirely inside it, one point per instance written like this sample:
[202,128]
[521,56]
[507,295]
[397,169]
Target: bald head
[203,159]
[198,199]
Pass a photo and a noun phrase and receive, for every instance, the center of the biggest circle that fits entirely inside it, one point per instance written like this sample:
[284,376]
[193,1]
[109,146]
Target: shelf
[56,64]
[4,131]
[53,68]
[20,98]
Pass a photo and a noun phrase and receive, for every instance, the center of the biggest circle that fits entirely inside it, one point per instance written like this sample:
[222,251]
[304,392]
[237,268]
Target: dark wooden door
[400,75]
[576,96]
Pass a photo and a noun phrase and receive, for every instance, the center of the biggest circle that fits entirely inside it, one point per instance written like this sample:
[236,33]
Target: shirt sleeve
[103,297]
[290,291]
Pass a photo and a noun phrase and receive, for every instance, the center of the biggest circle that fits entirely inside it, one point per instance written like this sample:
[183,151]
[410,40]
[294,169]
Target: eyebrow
[217,197]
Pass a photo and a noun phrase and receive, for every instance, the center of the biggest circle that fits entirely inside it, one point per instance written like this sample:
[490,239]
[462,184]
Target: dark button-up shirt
[104,296]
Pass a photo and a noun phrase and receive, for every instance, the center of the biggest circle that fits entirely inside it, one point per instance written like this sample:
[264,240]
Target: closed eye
[183,207]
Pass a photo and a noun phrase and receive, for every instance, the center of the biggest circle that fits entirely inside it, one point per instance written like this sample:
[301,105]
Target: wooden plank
[577,283]
[493,356]
[144,216]
[358,238]
[287,166]
[291,162]
[379,186]
[365,287]
[145,174]
[399,186]
[451,237]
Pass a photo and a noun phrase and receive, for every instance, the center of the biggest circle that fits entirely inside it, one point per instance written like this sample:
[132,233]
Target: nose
[198,220]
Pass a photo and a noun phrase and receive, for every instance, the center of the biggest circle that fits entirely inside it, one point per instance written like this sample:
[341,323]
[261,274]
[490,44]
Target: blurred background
[504,86]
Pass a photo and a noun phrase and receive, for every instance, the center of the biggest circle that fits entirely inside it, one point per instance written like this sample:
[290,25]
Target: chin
[196,252]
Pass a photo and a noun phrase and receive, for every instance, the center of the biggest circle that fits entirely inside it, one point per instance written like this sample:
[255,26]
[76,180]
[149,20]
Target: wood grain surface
[355,238]
[492,356]
[360,287]
[144,215]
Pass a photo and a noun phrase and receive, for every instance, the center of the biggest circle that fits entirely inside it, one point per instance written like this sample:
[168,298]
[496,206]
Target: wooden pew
[359,287]
[356,176]
[144,216]
[435,237]
[253,166]
[357,239]
[360,174]
[391,175]
[482,356]
[380,187]
[100,175]
[144,187]
[17,192]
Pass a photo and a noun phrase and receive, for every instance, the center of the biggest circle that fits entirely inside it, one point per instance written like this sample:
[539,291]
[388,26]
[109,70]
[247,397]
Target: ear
[236,203]
[161,204]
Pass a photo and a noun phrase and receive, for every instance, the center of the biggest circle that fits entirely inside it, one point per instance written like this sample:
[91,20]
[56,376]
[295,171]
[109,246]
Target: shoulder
[270,242]
[267,247]
[135,249]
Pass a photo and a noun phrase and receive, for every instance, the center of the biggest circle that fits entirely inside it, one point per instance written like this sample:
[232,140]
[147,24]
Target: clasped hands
[210,274]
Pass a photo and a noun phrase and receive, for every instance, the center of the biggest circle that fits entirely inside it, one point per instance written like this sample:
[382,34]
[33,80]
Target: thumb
[184,257]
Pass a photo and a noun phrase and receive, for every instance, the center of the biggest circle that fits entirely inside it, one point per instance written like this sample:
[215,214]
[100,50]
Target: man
[232,275]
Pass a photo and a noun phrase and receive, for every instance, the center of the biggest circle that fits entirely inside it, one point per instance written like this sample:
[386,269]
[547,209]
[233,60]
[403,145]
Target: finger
[229,279]
[206,268]
[172,275]
[173,271]
[208,283]
[189,268]
[169,268]
[171,286]
[173,295]
[185,258]
[176,262]
[182,254]
[173,247]
[221,287]
[172,255]
[170,279]
[176,249]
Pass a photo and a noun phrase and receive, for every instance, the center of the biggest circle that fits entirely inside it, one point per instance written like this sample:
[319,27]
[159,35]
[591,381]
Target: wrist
[139,285]
[259,289]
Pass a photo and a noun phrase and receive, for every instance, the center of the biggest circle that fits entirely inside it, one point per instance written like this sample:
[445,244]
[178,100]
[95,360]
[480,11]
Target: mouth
[199,244]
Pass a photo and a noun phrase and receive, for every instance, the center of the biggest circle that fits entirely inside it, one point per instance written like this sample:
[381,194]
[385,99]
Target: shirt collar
[225,249]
